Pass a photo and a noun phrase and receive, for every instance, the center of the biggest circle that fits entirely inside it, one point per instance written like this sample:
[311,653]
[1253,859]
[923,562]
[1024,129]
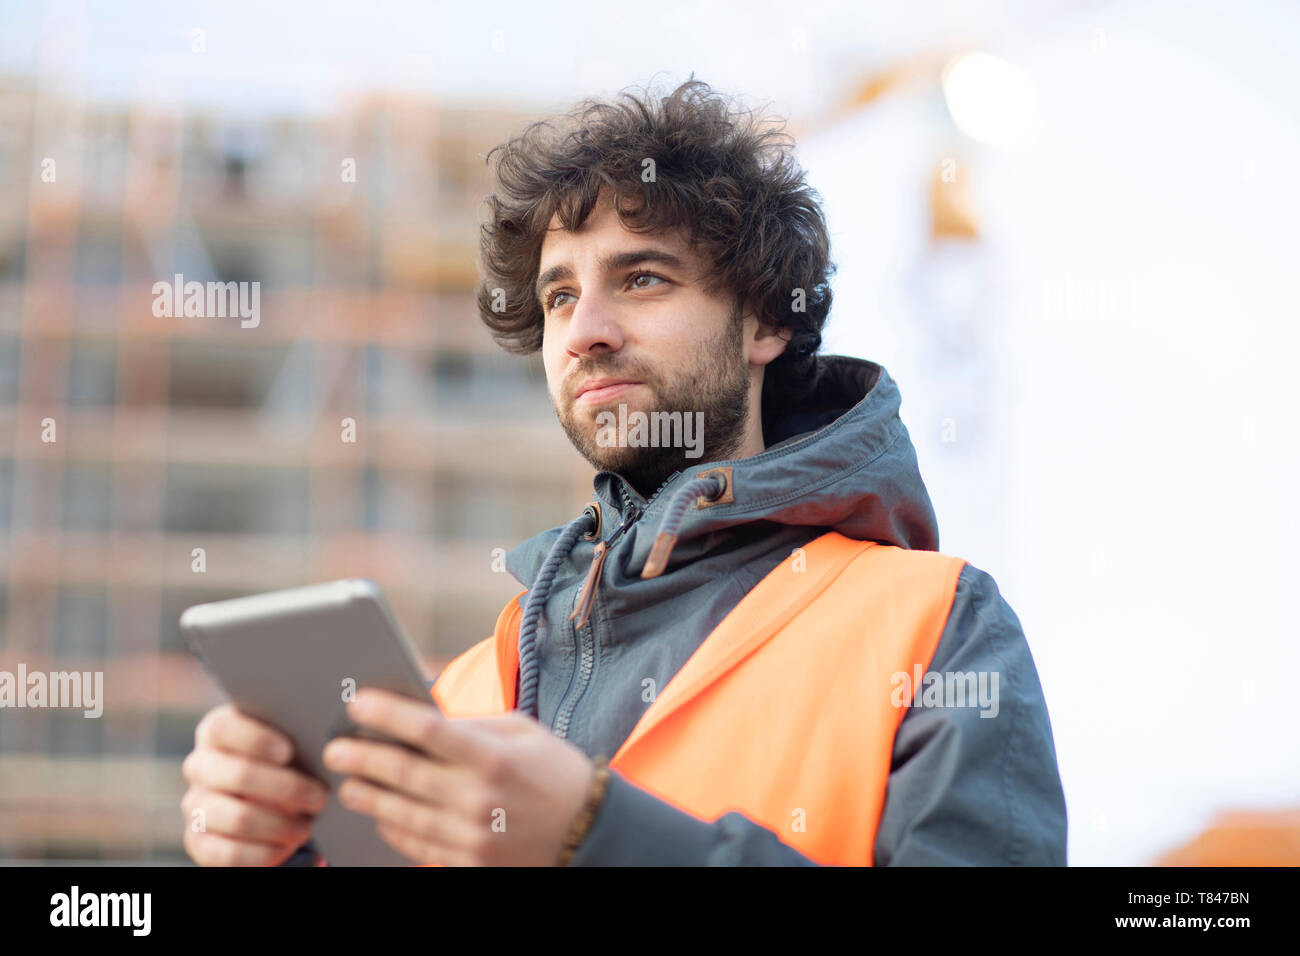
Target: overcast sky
[305,54]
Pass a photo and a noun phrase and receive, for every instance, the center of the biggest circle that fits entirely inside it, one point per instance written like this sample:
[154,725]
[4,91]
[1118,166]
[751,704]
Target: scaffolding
[149,462]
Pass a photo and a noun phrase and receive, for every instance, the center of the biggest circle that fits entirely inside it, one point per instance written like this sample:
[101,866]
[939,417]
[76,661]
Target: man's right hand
[256,811]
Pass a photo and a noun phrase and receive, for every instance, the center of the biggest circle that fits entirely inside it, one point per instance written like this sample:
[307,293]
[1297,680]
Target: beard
[717,384]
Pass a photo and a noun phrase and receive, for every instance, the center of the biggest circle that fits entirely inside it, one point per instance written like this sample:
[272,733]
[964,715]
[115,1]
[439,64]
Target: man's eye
[646,275]
[552,298]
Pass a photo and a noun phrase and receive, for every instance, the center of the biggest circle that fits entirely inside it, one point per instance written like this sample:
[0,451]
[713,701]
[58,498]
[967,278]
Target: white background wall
[1147,530]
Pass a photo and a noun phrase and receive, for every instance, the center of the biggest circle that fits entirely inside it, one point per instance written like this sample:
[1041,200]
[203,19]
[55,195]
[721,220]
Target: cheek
[553,345]
[553,365]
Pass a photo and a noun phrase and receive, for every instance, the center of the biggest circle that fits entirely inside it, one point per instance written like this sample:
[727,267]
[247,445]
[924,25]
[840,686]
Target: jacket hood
[841,460]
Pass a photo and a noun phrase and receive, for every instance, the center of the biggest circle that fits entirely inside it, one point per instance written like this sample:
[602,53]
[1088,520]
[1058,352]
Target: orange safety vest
[786,712]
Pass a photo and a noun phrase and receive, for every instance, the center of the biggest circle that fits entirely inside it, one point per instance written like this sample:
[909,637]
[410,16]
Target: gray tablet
[292,659]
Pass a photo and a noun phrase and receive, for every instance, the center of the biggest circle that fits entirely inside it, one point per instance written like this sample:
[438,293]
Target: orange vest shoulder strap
[481,681]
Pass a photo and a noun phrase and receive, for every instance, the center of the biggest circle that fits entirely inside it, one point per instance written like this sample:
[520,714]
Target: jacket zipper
[585,630]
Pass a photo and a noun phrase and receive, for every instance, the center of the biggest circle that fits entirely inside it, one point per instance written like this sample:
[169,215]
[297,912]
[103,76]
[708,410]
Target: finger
[512,724]
[419,849]
[429,823]
[214,849]
[279,787]
[416,723]
[231,816]
[225,728]
[394,767]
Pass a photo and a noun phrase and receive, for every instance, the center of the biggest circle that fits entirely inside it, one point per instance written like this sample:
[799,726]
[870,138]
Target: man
[750,622]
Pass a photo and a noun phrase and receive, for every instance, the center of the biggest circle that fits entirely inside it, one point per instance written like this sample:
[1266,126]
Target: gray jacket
[962,789]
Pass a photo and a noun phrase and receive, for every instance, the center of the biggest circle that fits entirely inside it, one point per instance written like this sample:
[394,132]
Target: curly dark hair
[726,179]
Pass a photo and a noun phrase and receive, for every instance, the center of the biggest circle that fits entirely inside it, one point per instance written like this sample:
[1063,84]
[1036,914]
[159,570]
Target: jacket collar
[842,460]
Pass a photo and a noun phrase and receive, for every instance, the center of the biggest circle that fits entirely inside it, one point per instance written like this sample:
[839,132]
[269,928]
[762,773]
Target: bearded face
[710,384]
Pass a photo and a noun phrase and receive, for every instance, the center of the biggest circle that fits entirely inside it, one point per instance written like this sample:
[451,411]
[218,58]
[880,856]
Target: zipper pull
[587,596]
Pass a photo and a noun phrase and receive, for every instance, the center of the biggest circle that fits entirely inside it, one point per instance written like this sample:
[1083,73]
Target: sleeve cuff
[305,855]
[634,828]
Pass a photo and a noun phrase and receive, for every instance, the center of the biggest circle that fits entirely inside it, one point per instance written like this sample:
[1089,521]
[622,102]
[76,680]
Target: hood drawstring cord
[584,524]
[708,488]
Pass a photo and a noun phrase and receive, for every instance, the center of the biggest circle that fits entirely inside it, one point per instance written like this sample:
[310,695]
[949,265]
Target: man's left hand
[483,791]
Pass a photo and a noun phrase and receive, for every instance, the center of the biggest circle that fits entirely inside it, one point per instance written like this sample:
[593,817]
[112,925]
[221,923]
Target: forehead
[603,232]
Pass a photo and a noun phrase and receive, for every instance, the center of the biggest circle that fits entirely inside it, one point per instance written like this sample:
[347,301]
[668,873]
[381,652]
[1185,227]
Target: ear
[765,343]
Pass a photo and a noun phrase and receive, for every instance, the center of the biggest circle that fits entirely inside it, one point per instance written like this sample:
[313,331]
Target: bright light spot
[991,100]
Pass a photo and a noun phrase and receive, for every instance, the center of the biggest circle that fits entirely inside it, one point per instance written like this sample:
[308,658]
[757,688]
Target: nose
[593,326]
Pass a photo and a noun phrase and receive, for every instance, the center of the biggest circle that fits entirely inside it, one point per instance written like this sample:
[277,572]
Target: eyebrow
[610,263]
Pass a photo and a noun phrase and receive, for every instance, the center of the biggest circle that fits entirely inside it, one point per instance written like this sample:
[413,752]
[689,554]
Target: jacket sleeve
[305,855]
[635,828]
[969,789]
[962,789]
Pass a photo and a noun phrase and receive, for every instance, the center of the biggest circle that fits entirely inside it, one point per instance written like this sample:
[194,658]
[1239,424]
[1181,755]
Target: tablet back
[291,659]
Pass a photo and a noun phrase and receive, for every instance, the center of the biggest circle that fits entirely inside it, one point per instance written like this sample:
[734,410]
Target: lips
[604,393]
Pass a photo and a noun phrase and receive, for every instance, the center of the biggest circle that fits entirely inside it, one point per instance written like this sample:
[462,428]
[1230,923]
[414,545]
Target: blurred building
[174,434]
